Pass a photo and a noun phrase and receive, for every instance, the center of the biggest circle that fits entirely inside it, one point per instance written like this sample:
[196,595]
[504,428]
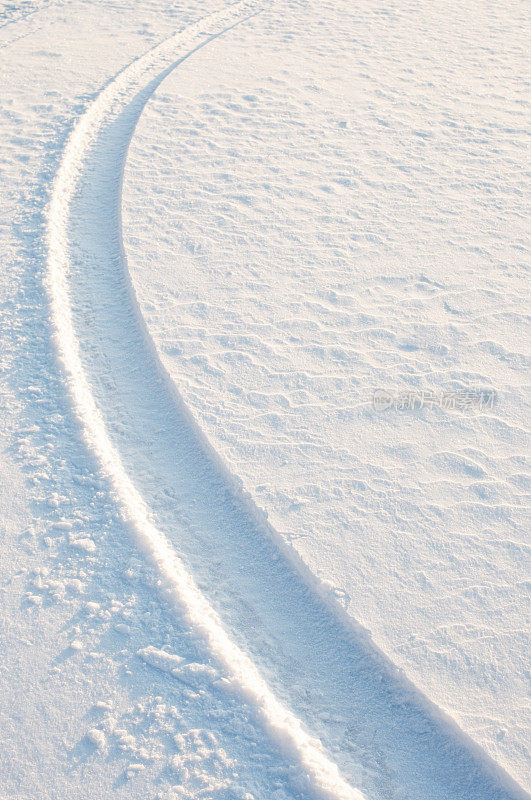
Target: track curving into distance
[288,654]
[322,774]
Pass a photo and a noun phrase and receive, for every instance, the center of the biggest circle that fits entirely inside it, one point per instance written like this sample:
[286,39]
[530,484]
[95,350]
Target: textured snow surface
[320,201]
[338,210]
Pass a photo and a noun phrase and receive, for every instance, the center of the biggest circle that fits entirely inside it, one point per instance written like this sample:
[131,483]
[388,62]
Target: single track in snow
[218,561]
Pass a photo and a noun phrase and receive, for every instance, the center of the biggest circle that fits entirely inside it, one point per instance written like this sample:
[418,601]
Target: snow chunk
[85,543]
[121,627]
[159,659]
[97,738]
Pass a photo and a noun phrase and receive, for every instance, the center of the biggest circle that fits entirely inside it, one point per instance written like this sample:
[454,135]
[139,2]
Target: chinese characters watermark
[450,400]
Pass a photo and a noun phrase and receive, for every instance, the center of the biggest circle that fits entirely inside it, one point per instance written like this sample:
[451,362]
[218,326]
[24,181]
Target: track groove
[135,425]
[322,775]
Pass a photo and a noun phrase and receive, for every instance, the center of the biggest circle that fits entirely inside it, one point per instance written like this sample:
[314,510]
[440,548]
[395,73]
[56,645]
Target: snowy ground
[323,200]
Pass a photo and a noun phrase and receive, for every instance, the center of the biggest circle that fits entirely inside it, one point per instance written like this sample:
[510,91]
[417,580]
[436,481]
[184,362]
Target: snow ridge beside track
[322,775]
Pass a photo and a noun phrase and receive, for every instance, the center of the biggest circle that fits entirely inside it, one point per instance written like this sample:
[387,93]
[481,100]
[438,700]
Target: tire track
[135,424]
[322,775]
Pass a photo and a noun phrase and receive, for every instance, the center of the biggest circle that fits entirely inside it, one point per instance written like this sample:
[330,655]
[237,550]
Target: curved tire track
[135,424]
[322,775]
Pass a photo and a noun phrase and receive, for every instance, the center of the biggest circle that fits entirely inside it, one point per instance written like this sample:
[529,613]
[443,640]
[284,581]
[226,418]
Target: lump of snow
[35,599]
[97,738]
[84,543]
[121,627]
[159,659]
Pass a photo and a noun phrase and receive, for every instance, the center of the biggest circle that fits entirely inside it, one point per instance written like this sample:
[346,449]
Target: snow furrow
[322,775]
[120,392]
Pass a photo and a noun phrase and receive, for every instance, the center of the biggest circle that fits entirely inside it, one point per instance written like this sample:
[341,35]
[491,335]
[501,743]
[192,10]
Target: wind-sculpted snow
[343,210]
[217,560]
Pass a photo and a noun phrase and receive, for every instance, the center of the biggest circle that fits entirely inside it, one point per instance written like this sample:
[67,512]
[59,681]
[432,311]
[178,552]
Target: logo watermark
[450,400]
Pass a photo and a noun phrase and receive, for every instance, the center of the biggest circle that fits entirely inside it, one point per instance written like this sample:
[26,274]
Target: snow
[223,573]
[335,213]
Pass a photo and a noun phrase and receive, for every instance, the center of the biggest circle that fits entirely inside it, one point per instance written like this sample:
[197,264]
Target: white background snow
[326,200]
